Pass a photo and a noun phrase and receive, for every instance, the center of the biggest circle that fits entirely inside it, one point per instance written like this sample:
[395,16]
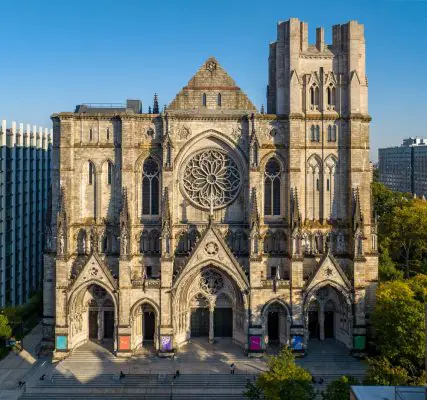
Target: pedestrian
[177,373]
[232,368]
[321,381]
[122,375]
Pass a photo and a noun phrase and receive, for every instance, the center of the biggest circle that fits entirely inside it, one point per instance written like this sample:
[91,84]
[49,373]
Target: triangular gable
[328,270]
[94,270]
[331,78]
[354,77]
[211,247]
[294,77]
[211,79]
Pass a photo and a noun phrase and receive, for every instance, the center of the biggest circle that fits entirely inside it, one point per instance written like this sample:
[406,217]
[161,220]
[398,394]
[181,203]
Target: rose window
[211,179]
[211,281]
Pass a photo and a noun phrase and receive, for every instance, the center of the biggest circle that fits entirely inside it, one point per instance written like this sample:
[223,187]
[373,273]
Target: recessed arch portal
[208,302]
[92,315]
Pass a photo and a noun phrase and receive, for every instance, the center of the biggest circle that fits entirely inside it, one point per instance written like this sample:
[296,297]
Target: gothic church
[212,219]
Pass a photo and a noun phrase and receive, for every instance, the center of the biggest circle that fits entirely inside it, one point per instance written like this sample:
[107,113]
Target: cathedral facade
[212,219]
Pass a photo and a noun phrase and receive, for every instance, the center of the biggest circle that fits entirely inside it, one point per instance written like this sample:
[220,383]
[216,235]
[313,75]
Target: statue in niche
[61,244]
[124,244]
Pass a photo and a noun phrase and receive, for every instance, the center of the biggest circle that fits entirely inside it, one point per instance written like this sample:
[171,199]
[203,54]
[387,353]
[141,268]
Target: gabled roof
[211,79]
[212,248]
[328,269]
[94,271]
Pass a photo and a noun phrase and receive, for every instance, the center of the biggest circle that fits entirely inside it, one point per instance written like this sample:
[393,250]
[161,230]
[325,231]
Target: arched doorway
[144,322]
[92,317]
[328,315]
[209,304]
[276,324]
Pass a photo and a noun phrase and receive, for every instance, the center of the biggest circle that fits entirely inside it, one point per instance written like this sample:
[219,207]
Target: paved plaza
[93,371]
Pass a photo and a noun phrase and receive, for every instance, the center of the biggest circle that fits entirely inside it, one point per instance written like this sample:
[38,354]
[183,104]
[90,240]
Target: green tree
[339,389]
[386,266]
[284,380]
[382,372]
[408,231]
[5,329]
[398,320]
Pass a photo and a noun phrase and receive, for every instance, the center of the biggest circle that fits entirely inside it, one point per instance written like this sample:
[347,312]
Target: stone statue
[61,244]
[124,244]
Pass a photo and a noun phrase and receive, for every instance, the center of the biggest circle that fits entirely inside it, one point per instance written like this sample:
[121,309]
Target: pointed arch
[313,187]
[272,188]
[150,188]
[89,190]
[331,185]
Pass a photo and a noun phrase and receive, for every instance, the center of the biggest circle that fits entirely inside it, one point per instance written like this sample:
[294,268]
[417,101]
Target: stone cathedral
[212,219]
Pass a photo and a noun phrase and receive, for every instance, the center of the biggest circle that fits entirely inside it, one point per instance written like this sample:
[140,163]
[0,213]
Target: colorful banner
[255,343]
[61,342]
[297,342]
[124,342]
[165,343]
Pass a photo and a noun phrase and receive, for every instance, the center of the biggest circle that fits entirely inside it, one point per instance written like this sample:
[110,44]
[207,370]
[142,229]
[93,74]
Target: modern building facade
[25,173]
[211,219]
[404,168]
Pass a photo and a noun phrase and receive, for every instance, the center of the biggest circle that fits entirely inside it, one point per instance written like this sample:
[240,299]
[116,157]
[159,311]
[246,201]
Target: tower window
[150,188]
[90,134]
[91,173]
[219,100]
[313,134]
[272,188]
[317,184]
[108,133]
[330,133]
[204,99]
[317,133]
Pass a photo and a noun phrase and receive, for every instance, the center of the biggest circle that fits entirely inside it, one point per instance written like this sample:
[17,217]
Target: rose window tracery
[211,281]
[211,178]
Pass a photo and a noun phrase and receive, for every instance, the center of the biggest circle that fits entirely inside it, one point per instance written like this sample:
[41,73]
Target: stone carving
[211,66]
[184,133]
[211,177]
[61,244]
[211,248]
[211,281]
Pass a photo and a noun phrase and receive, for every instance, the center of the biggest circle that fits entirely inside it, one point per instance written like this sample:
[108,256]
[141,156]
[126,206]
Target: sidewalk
[16,366]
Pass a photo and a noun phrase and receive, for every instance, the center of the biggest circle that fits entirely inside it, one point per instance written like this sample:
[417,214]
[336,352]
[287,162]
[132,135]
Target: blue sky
[56,54]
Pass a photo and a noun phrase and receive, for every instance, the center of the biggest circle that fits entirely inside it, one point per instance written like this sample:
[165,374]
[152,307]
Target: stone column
[100,324]
[322,323]
[211,324]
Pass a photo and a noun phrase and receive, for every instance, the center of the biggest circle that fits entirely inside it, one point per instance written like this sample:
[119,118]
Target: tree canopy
[284,380]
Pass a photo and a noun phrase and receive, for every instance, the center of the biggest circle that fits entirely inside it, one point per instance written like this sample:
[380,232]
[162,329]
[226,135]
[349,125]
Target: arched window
[108,133]
[334,133]
[331,96]
[219,100]
[91,173]
[90,134]
[144,243]
[313,134]
[150,188]
[81,242]
[330,133]
[280,242]
[154,242]
[314,97]
[317,133]
[272,188]
[268,243]
[110,172]
[204,99]
[183,245]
